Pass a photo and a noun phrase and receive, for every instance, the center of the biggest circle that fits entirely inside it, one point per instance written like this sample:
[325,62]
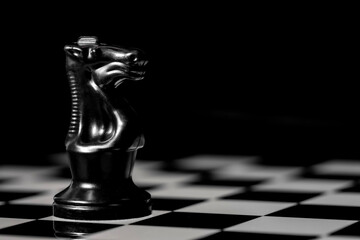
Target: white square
[237,207]
[8,222]
[116,222]
[144,164]
[163,178]
[336,199]
[31,185]
[18,171]
[145,168]
[132,232]
[287,225]
[194,192]
[255,172]
[339,167]
[304,185]
[43,199]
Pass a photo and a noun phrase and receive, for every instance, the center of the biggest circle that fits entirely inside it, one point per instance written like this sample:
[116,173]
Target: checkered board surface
[199,197]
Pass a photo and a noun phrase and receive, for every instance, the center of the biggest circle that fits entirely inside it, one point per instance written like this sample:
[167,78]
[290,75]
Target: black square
[172,204]
[254,236]
[272,196]
[2,180]
[171,166]
[354,188]
[25,211]
[9,196]
[352,230]
[49,228]
[320,211]
[63,173]
[33,228]
[195,220]
[146,188]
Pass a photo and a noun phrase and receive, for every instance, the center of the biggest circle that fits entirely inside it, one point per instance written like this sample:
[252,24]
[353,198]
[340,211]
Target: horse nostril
[133,58]
[136,55]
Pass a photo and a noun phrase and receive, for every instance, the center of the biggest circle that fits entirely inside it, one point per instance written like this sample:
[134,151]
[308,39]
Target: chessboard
[200,197]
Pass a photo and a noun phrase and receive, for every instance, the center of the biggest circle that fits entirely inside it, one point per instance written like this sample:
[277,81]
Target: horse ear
[74,51]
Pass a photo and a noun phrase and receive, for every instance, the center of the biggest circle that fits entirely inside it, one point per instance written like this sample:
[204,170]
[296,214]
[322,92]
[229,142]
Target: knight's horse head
[108,65]
[101,117]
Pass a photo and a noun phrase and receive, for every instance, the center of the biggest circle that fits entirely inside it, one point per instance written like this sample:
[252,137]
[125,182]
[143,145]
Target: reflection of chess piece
[103,136]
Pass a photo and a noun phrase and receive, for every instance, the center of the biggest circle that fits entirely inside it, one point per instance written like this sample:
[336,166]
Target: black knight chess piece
[104,134]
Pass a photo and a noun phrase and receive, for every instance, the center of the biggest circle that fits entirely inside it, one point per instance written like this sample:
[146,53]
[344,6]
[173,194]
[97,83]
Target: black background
[264,79]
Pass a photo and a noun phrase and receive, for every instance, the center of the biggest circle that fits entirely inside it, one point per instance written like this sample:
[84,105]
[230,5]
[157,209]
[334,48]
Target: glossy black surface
[104,134]
[101,118]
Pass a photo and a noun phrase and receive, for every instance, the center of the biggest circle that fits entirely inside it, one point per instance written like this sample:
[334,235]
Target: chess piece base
[102,188]
[122,210]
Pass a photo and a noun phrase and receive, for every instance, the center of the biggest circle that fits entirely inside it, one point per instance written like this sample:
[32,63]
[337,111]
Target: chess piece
[104,134]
